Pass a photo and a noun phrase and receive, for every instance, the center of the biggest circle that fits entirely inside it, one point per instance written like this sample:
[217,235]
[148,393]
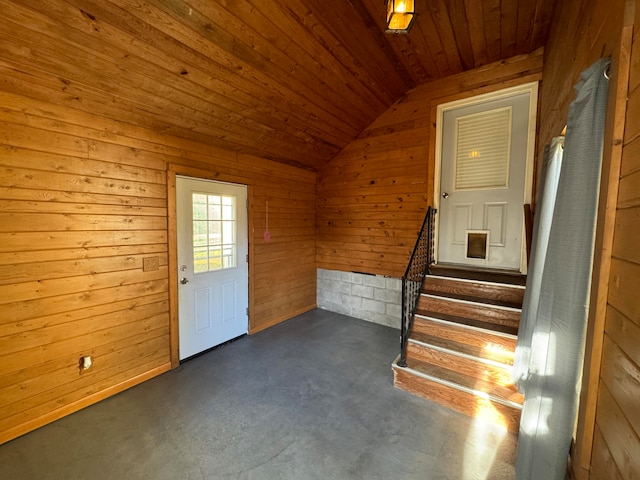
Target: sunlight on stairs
[461,349]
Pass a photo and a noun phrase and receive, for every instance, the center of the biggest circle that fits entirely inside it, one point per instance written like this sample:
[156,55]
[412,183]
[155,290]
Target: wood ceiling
[290,80]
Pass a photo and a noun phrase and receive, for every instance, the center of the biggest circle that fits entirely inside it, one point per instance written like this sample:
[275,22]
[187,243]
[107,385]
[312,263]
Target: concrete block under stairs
[461,348]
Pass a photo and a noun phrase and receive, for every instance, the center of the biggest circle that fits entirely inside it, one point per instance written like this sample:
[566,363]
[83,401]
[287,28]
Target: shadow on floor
[311,398]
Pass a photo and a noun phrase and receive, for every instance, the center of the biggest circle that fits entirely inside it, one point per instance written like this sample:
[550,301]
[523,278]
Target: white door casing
[475,196]
[213,274]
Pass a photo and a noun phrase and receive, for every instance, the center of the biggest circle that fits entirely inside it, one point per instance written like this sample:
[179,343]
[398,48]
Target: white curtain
[550,174]
[551,350]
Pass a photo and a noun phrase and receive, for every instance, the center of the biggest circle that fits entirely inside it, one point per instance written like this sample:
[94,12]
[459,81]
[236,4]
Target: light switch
[85,363]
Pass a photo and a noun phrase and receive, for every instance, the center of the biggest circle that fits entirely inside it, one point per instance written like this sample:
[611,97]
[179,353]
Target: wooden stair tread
[490,326]
[466,307]
[474,367]
[471,273]
[508,393]
[461,332]
[473,290]
[502,355]
[491,411]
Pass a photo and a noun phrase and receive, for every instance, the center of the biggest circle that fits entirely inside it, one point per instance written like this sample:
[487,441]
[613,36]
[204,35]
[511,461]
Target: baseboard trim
[58,413]
[277,320]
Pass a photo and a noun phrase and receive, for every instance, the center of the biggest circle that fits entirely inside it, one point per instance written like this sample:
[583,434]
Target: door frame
[172,240]
[532,89]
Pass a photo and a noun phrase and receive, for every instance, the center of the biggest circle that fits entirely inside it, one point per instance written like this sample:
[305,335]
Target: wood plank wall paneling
[589,32]
[83,200]
[608,436]
[372,197]
[603,466]
[618,419]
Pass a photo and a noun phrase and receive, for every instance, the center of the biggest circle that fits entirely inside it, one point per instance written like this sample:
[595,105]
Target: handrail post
[402,362]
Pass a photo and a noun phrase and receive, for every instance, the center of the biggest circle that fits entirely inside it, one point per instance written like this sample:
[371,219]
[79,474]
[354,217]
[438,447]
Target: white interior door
[213,274]
[484,149]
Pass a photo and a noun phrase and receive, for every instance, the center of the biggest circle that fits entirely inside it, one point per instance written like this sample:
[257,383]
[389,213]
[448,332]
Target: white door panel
[461,215]
[495,220]
[484,148]
[212,263]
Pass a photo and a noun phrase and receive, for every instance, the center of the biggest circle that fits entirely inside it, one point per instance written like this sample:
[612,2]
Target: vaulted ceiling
[290,80]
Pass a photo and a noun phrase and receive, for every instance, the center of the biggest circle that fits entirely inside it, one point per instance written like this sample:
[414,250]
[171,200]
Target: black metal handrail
[418,267]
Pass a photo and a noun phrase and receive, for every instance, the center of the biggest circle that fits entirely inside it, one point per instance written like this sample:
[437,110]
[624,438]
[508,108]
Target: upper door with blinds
[482,150]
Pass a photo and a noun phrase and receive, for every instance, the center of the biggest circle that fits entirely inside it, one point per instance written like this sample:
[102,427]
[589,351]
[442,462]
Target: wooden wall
[616,446]
[372,197]
[83,199]
[581,33]
[607,443]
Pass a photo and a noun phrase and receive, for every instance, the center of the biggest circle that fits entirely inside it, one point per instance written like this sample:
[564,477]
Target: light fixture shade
[400,15]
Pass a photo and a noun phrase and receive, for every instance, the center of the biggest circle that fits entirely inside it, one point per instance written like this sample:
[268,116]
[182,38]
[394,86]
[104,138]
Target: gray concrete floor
[311,398]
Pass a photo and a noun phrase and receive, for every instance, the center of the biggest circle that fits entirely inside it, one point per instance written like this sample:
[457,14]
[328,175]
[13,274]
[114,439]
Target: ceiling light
[400,15]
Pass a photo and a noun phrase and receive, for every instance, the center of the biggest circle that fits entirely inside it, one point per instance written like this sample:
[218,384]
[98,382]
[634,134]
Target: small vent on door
[477,244]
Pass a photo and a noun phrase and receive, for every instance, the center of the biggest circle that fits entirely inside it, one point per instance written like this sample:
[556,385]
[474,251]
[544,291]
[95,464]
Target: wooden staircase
[461,347]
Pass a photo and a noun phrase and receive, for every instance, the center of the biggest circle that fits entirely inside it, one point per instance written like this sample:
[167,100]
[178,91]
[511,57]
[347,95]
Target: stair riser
[466,403]
[473,368]
[474,338]
[434,306]
[480,292]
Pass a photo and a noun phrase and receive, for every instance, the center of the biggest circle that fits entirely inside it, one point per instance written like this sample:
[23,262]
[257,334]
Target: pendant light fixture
[400,15]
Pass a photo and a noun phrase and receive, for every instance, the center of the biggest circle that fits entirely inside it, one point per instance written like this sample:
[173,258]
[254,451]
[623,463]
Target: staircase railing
[418,267]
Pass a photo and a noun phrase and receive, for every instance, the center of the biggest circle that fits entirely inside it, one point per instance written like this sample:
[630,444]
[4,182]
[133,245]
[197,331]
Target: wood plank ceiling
[290,80]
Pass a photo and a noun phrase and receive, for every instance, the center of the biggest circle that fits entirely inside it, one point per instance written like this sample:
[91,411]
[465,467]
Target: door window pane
[214,232]
[483,144]
[199,234]
[200,259]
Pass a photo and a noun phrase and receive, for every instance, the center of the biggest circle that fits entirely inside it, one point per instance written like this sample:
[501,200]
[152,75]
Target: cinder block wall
[374,298]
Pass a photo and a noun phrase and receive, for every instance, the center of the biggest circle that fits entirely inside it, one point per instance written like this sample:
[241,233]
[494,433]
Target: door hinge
[247,311]
[247,258]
